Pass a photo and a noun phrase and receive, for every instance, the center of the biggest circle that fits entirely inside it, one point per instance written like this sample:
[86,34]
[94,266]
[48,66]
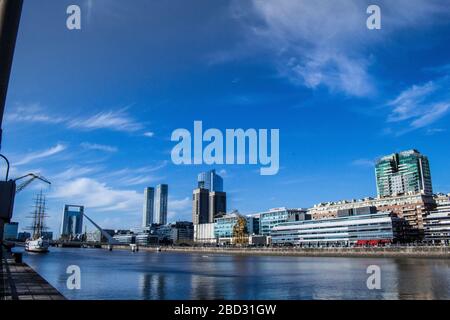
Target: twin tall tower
[155,205]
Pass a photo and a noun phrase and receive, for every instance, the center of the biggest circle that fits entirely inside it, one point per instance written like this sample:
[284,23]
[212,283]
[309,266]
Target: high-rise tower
[210,180]
[147,213]
[160,212]
[406,172]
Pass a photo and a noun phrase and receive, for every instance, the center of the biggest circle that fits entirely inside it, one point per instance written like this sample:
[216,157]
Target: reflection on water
[155,276]
[422,279]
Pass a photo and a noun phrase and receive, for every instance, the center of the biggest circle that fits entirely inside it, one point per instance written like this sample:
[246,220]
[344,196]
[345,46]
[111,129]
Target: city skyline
[203,198]
[102,142]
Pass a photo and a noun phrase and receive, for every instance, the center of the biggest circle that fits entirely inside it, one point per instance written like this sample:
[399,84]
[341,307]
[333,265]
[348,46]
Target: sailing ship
[37,243]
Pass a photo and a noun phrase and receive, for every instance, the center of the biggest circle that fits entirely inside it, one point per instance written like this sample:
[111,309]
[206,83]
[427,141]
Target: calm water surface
[148,275]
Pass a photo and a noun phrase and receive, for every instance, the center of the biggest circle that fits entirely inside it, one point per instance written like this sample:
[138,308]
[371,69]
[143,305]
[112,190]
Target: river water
[122,275]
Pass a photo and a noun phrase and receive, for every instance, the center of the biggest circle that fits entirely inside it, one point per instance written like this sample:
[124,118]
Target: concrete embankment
[413,252]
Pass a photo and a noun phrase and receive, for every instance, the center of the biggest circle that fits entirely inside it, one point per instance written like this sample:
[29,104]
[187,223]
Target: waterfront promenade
[19,282]
[407,252]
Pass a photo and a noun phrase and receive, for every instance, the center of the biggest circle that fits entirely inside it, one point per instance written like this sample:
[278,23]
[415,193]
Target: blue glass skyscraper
[160,211]
[210,181]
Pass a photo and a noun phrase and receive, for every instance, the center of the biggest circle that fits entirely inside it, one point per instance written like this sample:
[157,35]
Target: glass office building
[72,222]
[273,217]
[223,226]
[437,224]
[403,173]
[210,181]
[349,230]
[160,210]
[147,213]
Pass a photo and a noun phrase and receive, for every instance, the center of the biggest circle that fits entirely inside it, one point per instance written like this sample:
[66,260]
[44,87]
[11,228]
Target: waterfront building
[224,226]
[217,204]
[94,236]
[204,233]
[273,217]
[147,214]
[10,231]
[22,236]
[401,173]
[125,237]
[47,235]
[258,240]
[97,236]
[210,181]
[164,233]
[437,224]
[441,198]
[147,239]
[377,228]
[178,232]
[161,198]
[72,221]
[200,206]
[412,208]
[182,232]
[147,235]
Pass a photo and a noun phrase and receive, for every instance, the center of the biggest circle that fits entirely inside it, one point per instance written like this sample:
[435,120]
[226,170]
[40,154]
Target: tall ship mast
[37,243]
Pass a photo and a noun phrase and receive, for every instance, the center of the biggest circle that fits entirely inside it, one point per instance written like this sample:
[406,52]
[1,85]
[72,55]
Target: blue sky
[93,110]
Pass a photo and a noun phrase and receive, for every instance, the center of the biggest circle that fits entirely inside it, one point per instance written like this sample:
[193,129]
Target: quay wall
[413,252]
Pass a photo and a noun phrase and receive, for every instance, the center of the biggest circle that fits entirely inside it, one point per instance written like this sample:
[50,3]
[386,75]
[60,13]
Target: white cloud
[98,196]
[407,104]
[326,43]
[74,172]
[149,134]
[421,105]
[135,176]
[179,209]
[364,163]
[35,156]
[116,120]
[436,112]
[138,180]
[99,147]
[31,113]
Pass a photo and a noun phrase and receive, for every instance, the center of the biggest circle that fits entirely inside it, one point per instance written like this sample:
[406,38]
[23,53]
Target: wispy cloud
[39,155]
[363,163]
[326,43]
[135,176]
[149,134]
[99,147]
[433,131]
[421,105]
[32,113]
[117,120]
[75,172]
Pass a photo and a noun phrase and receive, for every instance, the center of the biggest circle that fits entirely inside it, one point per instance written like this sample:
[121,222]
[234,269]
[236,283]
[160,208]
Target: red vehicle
[372,243]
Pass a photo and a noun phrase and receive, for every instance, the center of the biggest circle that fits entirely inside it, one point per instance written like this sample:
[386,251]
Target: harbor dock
[18,281]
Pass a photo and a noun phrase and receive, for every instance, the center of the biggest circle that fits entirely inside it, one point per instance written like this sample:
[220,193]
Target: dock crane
[9,189]
[25,184]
